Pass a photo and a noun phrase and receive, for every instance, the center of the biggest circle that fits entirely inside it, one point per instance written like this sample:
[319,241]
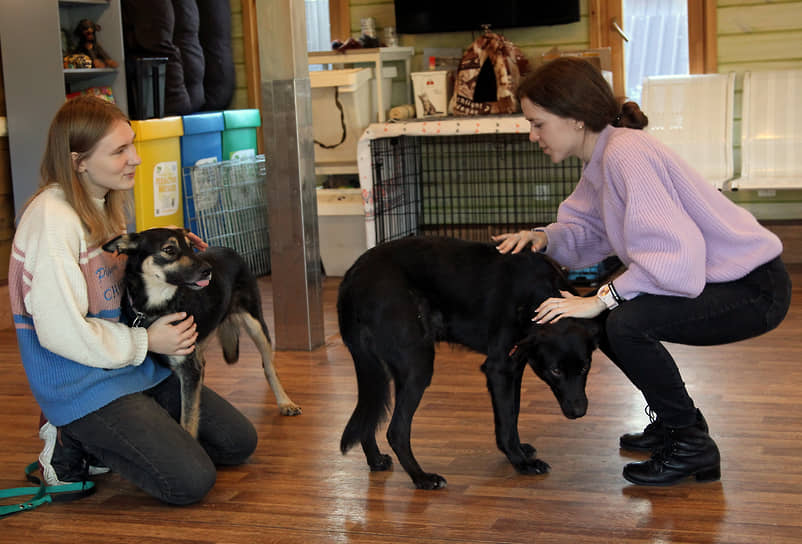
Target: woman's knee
[188,483]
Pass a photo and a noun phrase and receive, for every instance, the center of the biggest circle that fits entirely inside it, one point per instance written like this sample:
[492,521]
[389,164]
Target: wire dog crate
[470,187]
[465,186]
[227,206]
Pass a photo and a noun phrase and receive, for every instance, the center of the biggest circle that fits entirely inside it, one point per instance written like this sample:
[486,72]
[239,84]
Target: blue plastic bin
[201,143]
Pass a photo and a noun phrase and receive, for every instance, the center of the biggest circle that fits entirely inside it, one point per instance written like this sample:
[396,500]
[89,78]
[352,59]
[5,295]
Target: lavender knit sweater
[671,228]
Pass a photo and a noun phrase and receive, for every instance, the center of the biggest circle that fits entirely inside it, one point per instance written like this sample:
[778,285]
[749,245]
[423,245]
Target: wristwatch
[609,296]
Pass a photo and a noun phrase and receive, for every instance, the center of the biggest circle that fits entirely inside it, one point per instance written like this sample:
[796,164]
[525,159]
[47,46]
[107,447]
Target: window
[318,28]
[658,41]
[701,31]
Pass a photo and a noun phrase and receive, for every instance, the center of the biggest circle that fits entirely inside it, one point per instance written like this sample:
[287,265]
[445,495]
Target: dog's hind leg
[418,365]
[372,404]
[257,330]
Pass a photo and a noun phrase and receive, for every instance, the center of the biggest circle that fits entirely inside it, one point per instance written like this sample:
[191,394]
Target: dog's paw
[384,462]
[529,450]
[290,409]
[532,466]
[429,481]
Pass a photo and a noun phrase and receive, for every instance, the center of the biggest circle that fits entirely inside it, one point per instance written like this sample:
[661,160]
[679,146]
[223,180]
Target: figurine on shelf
[77,61]
[86,32]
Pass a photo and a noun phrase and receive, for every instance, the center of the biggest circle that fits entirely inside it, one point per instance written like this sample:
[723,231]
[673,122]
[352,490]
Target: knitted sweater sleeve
[577,239]
[58,298]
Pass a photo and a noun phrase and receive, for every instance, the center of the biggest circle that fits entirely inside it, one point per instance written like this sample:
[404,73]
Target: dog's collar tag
[139,319]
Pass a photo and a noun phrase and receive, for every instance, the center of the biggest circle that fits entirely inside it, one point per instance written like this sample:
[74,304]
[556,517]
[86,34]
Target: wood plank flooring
[298,488]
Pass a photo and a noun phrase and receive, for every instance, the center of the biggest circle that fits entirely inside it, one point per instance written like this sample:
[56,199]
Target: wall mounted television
[429,16]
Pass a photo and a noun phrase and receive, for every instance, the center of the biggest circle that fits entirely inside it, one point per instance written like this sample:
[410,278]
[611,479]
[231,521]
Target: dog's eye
[556,372]
[169,250]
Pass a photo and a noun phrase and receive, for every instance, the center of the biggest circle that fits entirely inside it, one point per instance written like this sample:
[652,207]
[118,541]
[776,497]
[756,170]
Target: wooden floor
[298,488]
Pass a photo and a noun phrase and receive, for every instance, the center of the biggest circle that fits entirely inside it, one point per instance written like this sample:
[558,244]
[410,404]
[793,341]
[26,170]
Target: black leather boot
[652,437]
[687,451]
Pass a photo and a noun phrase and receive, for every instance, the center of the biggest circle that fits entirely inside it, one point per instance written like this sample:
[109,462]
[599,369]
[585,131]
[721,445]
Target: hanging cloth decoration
[488,76]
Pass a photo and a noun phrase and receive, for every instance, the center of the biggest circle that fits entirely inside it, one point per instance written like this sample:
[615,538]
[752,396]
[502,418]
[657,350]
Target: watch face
[606,296]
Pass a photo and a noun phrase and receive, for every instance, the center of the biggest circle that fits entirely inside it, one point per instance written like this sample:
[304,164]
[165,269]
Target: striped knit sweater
[672,229]
[65,297]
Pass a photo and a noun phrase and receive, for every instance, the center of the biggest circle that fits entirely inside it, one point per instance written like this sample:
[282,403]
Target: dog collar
[139,317]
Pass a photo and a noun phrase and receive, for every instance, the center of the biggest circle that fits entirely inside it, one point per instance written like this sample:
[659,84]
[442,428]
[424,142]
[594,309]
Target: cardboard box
[600,57]
[432,91]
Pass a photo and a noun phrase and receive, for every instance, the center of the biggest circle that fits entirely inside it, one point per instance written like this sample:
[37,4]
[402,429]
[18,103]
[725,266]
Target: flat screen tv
[429,16]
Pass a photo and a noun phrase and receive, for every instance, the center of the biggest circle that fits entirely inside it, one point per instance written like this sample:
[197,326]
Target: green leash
[41,493]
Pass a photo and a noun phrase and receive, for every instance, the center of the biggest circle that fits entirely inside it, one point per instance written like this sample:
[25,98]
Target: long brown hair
[573,88]
[77,127]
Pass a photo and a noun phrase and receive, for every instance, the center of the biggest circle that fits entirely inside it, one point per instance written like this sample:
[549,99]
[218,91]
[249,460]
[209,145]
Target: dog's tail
[373,404]
[228,334]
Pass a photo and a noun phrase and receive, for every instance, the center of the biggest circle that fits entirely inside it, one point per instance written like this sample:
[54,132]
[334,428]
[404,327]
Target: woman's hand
[196,241]
[173,335]
[552,310]
[516,241]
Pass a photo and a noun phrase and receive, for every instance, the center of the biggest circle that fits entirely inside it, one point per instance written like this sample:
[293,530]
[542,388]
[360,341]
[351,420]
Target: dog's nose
[575,409]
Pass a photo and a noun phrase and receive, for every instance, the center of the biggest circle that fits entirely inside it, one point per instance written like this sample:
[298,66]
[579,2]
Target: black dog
[164,275]
[400,298]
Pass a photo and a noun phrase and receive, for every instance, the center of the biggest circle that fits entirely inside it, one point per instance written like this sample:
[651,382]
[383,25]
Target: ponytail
[630,116]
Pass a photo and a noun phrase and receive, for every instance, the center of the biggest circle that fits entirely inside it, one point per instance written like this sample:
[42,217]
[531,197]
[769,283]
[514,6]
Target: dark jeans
[138,436]
[722,313]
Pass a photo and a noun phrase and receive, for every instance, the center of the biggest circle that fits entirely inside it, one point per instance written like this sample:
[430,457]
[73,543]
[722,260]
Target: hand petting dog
[570,305]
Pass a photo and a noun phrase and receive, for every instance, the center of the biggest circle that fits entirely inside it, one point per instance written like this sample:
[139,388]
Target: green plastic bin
[239,134]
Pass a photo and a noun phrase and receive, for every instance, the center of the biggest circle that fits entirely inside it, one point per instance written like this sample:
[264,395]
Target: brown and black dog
[402,297]
[164,275]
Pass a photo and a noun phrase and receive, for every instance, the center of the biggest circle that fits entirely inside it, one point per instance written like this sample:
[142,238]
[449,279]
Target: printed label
[165,188]
[243,155]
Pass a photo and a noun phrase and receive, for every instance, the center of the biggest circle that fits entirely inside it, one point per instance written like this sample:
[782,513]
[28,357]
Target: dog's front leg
[504,384]
[189,371]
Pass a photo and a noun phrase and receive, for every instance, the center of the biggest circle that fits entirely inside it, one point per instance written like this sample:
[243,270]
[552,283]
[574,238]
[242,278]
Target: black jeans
[138,436]
[722,313]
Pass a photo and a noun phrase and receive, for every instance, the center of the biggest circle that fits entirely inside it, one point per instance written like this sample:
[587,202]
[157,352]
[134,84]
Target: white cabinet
[35,80]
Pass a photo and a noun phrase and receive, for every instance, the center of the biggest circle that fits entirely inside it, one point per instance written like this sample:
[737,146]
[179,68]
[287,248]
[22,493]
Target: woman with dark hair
[700,270]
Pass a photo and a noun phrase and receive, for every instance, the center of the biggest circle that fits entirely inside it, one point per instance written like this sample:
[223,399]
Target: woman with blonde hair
[104,402]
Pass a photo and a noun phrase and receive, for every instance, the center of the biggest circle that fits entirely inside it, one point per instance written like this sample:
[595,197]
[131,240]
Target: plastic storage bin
[202,143]
[157,185]
[239,135]
[341,222]
[353,93]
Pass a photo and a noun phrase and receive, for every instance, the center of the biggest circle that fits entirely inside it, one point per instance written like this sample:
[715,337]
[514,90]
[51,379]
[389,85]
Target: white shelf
[376,56]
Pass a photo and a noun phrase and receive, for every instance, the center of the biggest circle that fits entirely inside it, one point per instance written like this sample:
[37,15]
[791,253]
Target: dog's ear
[526,348]
[125,243]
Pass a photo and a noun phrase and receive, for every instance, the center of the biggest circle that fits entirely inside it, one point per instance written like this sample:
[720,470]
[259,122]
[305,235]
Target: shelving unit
[377,57]
[36,82]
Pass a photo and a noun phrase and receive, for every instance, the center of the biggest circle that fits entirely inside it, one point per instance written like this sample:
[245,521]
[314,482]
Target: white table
[377,56]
